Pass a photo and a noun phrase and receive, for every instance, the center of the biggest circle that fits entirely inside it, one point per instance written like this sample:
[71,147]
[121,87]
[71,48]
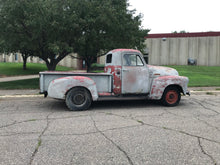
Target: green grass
[15,69]
[12,69]
[200,76]
[97,71]
[21,84]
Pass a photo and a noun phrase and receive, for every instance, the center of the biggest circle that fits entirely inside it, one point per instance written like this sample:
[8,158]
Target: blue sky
[166,16]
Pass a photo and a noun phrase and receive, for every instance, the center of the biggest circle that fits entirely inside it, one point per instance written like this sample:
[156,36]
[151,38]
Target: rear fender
[59,87]
[159,84]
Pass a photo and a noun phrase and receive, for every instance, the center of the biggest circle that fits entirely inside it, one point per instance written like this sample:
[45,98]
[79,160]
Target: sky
[166,16]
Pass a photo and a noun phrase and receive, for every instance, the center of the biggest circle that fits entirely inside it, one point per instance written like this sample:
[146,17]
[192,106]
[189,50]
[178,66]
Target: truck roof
[125,50]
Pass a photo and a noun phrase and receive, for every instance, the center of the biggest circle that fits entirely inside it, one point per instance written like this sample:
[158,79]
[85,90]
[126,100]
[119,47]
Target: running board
[105,98]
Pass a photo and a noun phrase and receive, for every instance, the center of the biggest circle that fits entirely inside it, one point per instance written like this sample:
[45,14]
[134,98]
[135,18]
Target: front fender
[59,87]
[159,84]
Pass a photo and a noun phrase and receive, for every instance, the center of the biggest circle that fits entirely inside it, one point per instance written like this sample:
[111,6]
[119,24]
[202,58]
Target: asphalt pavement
[43,131]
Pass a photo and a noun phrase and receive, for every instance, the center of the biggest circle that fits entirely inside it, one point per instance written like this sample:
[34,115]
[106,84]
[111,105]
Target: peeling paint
[59,87]
[135,80]
[156,71]
[159,85]
[116,72]
[105,94]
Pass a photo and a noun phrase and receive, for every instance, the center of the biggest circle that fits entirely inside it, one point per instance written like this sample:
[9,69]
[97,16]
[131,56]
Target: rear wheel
[78,99]
[171,96]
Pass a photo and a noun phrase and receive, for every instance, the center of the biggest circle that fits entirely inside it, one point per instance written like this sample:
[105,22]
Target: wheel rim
[79,99]
[171,97]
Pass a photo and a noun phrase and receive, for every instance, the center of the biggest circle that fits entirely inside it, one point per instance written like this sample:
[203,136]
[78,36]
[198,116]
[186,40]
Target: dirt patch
[2,76]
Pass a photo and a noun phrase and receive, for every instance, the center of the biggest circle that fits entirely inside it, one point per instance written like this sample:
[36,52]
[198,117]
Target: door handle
[125,70]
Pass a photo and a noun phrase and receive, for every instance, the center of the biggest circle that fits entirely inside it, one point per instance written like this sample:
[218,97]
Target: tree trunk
[24,57]
[24,64]
[51,66]
[88,64]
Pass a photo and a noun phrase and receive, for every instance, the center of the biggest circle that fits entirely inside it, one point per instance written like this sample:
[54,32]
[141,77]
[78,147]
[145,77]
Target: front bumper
[45,93]
[188,93]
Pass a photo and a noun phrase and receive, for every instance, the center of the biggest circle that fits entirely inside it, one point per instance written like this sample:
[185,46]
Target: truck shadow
[124,104]
[59,105]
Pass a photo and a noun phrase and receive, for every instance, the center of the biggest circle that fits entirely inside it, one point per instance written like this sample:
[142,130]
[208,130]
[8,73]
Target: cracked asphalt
[37,130]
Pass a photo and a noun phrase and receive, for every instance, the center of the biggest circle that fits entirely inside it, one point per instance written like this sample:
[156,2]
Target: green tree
[51,29]
[182,31]
[14,32]
[42,28]
[106,25]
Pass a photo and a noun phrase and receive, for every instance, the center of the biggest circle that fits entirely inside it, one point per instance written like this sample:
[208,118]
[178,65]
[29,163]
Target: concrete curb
[205,92]
[20,96]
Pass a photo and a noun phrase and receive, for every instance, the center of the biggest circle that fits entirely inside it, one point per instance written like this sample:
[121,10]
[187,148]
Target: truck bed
[103,80]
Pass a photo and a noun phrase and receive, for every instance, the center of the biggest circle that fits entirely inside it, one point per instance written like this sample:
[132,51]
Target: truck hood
[158,71]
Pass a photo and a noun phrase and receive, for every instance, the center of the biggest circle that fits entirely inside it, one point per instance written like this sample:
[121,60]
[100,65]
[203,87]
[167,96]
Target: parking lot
[37,130]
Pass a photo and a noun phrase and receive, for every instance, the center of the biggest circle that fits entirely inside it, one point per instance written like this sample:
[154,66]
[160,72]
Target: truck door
[135,75]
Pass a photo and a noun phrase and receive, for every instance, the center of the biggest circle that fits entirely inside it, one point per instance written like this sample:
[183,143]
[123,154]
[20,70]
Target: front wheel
[78,99]
[171,96]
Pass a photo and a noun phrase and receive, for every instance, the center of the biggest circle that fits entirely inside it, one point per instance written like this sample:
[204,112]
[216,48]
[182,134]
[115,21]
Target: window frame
[136,61]
[108,59]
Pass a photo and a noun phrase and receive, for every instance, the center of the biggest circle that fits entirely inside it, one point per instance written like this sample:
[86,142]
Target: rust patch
[160,83]
[82,79]
[116,72]
[104,94]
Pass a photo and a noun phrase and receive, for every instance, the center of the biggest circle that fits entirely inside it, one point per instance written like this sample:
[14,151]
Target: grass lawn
[21,84]
[200,76]
[12,69]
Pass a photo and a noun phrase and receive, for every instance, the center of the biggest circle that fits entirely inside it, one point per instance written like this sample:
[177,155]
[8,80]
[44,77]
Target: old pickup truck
[126,76]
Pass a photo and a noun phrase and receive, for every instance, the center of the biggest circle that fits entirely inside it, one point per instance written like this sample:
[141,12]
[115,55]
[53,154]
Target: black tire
[78,99]
[171,96]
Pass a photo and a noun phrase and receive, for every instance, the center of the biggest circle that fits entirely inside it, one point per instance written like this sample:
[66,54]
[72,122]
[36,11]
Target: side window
[132,60]
[126,60]
[139,61]
[109,58]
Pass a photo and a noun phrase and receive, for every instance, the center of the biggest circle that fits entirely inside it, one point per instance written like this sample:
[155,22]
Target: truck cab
[130,72]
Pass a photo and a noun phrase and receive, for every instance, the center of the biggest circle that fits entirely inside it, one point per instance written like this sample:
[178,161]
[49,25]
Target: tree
[42,28]
[182,31]
[12,35]
[51,29]
[107,24]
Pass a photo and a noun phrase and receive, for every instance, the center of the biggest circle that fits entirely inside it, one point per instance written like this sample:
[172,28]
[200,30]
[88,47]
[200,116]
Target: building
[178,48]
